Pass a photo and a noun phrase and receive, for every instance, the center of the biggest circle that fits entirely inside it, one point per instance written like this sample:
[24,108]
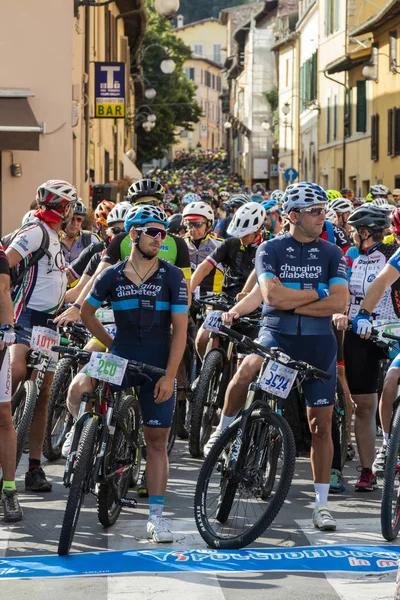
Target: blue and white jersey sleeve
[178,291]
[102,288]
[266,262]
[337,268]
[395,260]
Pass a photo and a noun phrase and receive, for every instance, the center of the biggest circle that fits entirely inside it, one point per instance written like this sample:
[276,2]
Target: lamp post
[166,8]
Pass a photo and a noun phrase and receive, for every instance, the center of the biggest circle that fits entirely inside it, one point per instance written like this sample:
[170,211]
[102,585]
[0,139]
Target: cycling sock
[385,438]
[321,494]
[337,458]
[156,505]
[225,422]
[34,463]
[9,485]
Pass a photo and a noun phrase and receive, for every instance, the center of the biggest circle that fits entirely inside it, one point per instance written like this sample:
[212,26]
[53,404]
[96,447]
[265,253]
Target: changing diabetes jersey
[314,265]
[142,313]
[363,269]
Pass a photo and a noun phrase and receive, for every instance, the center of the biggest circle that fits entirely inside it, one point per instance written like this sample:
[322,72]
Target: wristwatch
[77,305]
[364,313]
[6,327]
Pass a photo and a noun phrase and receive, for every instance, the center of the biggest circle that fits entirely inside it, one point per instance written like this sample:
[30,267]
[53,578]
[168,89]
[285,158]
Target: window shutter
[361,106]
[390,132]
[396,131]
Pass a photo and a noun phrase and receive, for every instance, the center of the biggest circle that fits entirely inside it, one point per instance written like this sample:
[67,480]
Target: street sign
[110,90]
[290,174]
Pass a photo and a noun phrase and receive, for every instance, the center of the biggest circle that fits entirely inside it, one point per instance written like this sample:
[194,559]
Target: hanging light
[147,126]
[166,8]
[167,66]
[150,93]
[152,118]
[227,125]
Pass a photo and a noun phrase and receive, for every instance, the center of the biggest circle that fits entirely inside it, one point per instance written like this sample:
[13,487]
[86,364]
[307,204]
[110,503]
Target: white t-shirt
[45,284]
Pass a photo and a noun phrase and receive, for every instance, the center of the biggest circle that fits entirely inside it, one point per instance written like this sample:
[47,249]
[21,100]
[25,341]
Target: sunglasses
[315,212]
[116,230]
[77,219]
[153,232]
[194,225]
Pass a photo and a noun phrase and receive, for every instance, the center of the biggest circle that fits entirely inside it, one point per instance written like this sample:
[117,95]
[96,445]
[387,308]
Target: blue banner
[110,90]
[317,559]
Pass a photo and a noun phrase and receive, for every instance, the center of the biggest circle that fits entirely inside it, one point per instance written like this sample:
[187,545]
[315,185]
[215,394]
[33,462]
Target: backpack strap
[43,250]
[330,232]
[86,238]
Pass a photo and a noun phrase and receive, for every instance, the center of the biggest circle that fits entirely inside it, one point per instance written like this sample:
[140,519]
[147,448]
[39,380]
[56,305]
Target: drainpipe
[86,115]
[250,103]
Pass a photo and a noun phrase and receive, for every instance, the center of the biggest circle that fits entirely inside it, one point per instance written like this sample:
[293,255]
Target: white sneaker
[66,449]
[157,530]
[213,438]
[323,519]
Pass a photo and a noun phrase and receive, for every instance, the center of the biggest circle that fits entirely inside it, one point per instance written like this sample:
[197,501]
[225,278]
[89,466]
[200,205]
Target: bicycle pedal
[128,502]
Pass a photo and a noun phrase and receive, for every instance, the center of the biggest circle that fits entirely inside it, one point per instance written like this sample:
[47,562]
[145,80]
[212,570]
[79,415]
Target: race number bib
[105,315]
[107,367]
[277,379]
[43,339]
[213,321]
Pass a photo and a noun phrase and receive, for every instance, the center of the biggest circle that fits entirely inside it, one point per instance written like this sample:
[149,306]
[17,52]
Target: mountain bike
[246,477]
[59,420]
[23,403]
[106,443]
[390,503]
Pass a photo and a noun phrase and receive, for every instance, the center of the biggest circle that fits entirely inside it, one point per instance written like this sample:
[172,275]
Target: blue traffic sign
[290,174]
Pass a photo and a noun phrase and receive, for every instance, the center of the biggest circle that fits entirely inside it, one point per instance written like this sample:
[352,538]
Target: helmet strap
[136,242]
[298,224]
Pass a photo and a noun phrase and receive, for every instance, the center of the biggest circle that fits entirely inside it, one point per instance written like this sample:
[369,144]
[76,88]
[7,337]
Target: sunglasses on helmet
[153,232]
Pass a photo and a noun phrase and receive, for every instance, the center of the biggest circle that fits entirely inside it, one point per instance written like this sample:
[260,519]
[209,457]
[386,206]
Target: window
[106,167]
[328,120]
[348,101]
[198,49]
[335,117]
[308,81]
[361,106]
[190,73]
[217,55]
[396,117]
[287,73]
[213,82]
[219,87]
[390,148]
[208,79]
[110,36]
[331,16]
[375,137]
[393,51]
[202,76]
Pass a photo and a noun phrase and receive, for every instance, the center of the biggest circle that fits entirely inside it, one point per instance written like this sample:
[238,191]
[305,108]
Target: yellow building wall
[207,33]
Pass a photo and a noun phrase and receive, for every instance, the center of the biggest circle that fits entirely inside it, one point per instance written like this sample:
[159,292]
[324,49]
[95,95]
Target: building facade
[48,128]
[207,39]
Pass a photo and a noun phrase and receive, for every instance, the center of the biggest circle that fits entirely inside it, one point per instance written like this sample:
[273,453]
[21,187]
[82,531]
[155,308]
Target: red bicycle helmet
[395,220]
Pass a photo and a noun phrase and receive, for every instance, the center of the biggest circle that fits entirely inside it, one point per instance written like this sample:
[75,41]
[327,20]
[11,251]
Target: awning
[19,129]
[348,61]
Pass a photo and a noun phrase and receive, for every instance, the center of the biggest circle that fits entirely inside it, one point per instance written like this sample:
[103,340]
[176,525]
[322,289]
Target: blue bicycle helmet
[145,213]
[189,198]
[271,206]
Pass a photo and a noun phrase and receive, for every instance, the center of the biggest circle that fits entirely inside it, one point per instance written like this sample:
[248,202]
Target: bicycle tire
[139,443]
[57,412]
[172,431]
[340,412]
[390,526]
[207,387]
[117,455]
[23,406]
[207,532]
[272,453]
[78,489]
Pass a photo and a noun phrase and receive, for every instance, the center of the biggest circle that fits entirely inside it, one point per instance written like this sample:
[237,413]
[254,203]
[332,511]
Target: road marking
[354,531]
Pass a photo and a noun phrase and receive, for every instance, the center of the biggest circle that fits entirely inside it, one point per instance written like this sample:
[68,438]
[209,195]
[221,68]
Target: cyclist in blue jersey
[302,280]
[148,295]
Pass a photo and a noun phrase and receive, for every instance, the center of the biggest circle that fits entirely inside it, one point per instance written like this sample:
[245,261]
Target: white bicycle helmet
[198,209]
[248,219]
[342,205]
[299,196]
[277,196]
[379,190]
[330,214]
[382,203]
[56,193]
[118,213]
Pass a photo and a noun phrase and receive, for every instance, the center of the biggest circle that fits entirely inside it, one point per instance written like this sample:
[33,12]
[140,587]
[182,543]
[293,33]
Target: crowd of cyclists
[323,265]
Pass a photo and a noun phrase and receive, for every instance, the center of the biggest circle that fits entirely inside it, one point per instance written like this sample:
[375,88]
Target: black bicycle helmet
[145,187]
[236,202]
[175,223]
[374,218]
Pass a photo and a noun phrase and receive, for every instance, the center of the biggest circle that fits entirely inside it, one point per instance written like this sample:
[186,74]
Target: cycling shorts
[153,415]
[319,351]
[34,318]
[5,375]
[111,330]
[362,358]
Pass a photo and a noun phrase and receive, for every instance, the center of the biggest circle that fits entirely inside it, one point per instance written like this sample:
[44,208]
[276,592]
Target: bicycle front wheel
[234,507]
[59,420]
[79,485]
[23,406]
[390,506]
